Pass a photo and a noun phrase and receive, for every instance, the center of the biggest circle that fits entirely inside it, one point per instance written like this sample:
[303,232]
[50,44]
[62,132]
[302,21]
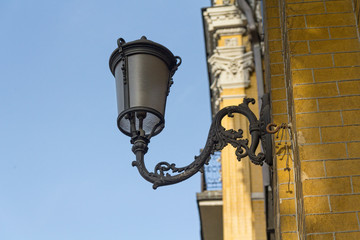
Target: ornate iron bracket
[217,139]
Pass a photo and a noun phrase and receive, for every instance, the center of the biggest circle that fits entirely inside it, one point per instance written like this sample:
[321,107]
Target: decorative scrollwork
[218,138]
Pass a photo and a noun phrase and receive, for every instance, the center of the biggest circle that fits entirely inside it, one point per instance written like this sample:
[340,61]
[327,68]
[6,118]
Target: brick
[322,151]
[356,184]
[338,6]
[348,236]
[280,118]
[315,90]
[279,107]
[285,176]
[331,222]
[336,74]
[347,59]
[311,61]
[296,22]
[282,136]
[282,142]
[326,186]
[273,22]
[345,203]
[272,12]
[288,223]
[289,236]
[275,45]
[318,119]
[312,169]
[343,32]
[305,8]
[340,103]
[351,117]
[340,134]
[276,57]
[349,88]
[316,205]
[282,139]
[308,34]
[274,34]
[334,45]
[286,191]
[299,48]
[277,68]
[342,168]
[326,236]
[308,135]
[328,20]
[302,76]
[287,207]
[271,3]
[354,149]
[284,161]
[305,105]
[277,82]
[278,94]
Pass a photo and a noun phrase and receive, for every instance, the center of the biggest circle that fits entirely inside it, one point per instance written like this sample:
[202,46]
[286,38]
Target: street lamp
[143,72]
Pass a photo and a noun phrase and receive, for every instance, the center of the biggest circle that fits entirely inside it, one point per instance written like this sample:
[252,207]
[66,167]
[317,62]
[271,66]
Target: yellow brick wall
[356,6]
[284,188]
[313,66]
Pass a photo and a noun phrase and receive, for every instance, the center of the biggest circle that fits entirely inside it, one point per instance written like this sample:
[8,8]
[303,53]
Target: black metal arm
[217,139]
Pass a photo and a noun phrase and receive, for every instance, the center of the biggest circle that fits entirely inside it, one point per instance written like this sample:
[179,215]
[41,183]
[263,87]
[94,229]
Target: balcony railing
[211,177]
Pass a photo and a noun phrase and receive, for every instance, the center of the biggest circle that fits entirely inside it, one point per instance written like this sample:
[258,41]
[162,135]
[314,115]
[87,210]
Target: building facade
[239,204]
[310,66]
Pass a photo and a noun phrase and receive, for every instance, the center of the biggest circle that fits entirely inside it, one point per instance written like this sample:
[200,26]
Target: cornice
[221,21]
[224,17]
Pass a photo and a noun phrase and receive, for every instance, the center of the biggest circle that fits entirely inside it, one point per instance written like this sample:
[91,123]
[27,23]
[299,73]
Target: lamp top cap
[141,46]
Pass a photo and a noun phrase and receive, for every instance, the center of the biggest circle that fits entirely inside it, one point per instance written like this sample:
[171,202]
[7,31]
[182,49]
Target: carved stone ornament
[229,72]
[222,20]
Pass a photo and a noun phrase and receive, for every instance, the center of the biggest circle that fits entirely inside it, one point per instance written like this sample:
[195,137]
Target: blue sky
[65,169]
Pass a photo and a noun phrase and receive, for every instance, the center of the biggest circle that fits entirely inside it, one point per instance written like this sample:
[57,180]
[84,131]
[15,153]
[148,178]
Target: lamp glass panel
[148,82]
[149,123]
[119,82]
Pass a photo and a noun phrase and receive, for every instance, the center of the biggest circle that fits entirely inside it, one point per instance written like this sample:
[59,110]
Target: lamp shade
[143,71]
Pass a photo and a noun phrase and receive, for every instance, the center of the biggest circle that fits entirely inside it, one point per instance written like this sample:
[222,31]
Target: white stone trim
[257,195]
[211,203]
[222,21]
[231,71]
[224,17]
[233,96]
[230,68]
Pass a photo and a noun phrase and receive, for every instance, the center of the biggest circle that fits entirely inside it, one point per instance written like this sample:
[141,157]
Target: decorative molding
[233,96]
[258,16]
[229,31]
[230,66]
[224,16]
[220,21]
[229,71]
[211,203]
[218,33]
